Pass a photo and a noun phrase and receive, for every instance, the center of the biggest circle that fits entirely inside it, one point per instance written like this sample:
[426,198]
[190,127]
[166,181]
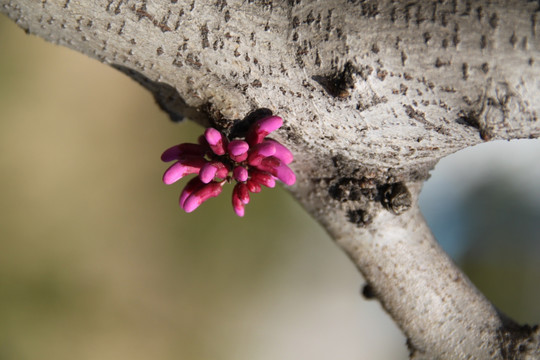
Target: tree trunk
[373,94]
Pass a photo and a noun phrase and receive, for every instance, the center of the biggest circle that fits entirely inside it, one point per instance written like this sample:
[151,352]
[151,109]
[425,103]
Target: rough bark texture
[373,94]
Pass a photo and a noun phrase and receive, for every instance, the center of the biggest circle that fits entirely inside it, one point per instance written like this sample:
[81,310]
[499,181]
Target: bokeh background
[98,262]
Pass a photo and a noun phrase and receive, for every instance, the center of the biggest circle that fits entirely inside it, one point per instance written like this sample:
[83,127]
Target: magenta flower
[252,162]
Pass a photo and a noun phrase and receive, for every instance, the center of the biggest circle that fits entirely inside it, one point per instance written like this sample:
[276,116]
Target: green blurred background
[97,261]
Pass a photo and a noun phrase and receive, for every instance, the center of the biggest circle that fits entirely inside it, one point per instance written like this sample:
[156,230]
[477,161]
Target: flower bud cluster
[253,162]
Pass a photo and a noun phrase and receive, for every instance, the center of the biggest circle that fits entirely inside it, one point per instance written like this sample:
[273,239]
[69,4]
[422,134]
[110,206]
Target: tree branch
[442,314]
[373,93]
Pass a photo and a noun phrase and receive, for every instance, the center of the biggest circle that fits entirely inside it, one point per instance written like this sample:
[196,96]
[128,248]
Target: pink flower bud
[238,206]
[238,147]
[261,151]
[202,194]
[222,171]
[263,178]
[238,150]
[242,192]
[216,140]
[278,169]
[183,167]
[212,136]
[207,173]
[192,185]
[258,131]
[175,152]
[240,173]
[211,170]
[253,186]
[282,153]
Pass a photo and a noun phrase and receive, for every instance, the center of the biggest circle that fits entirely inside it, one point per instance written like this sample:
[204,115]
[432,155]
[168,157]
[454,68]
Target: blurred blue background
[97,261]
[483,205]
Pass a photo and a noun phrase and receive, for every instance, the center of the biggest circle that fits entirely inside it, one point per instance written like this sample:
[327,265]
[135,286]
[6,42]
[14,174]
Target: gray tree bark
[373,94]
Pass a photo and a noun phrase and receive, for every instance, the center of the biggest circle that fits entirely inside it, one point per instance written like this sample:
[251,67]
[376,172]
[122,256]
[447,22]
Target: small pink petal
[253,186]
[282,153]
[240,173]
[175,152]
[216,141]
[238,147]
[192,185]
[278,169]
[202,194]
[238,205]
[261,151]
[183,167]
[258,131]
[263,178]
